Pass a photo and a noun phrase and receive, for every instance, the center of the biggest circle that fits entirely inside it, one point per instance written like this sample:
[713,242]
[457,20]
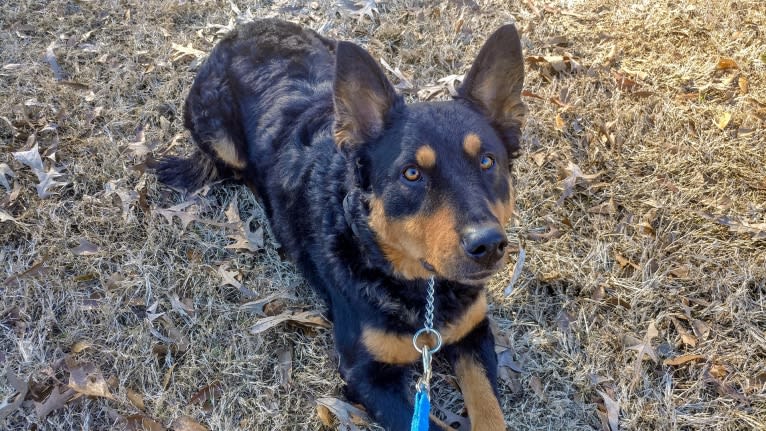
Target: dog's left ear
[495,81]
[364,98]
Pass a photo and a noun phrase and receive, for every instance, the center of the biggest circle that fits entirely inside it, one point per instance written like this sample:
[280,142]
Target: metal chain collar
[424,383]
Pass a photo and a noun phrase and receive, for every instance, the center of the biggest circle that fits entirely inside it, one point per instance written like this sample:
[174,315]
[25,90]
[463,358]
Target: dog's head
[437,174]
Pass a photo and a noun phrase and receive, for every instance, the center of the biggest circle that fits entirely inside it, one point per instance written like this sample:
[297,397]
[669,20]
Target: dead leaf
[181,306]
[80,346]
[737,225]
[552,233]
[182,52]
[182,211]
[247,239]
[136,399]
[142,423]
[38,268]
[599,293]
[361,9]
[138,146]
[463,424]
[719,371]
[612,410]
[605,208]
[168,375]
[517,268]
[259,306]
[527,93]
[285,360]
[405,82]
[701,329]
[4,216]
[56,400]
[50,57]
[85,248]
[624,82]
[556,63]
[744,85]
[644,348]
[573,174]
[47,179]
[348,415]
[624,261]
[86,378]
[5,171]
[176,338]
[726,64]
[540,157]
[680,360]
[126,196]
[114,281]
[207,395]
[723,120]
[232,212]
[325,416]
[537,387]
[682,272]
[228,278]
[686,337]
[21,387]
[725,389]
[559,123]
[185,423]
[31,159]
[306,318]
[505,359]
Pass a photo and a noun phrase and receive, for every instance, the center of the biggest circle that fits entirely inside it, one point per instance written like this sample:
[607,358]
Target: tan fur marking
[480,401]
[389,348]
[472,144]
[408,241]
[226,151]
[475,314]
[503,210]
[426,157]
[392,348]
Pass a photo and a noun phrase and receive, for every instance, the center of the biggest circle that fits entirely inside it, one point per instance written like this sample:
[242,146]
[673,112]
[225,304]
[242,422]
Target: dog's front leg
[475,364]
[382,390]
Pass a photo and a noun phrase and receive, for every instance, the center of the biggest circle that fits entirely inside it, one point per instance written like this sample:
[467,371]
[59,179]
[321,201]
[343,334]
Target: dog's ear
[495,81]
[364,98]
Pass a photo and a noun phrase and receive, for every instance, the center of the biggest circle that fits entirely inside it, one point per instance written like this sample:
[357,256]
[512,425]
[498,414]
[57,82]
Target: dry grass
[640,245]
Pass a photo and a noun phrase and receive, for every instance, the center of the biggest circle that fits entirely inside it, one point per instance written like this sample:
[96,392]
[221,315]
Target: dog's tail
[189,173]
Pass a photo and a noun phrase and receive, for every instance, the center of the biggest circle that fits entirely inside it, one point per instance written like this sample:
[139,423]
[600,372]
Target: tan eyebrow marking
[426,156]
[471,144]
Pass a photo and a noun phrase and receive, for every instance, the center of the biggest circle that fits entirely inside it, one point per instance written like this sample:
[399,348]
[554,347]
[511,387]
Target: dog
[369,196]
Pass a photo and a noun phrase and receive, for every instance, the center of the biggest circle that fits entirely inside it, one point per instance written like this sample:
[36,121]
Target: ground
[635,297]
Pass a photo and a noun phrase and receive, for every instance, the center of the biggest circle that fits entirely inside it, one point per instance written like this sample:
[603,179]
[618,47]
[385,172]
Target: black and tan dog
[370,196]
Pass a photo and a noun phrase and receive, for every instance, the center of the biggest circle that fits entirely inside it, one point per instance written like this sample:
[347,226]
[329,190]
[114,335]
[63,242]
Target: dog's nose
[484,244]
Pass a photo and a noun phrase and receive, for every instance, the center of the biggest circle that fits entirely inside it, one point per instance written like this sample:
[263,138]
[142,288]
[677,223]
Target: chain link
[430,304]
[424,383]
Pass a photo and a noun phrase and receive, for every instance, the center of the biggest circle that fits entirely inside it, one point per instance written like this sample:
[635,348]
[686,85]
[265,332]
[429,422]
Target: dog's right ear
[363,97]
[495,81]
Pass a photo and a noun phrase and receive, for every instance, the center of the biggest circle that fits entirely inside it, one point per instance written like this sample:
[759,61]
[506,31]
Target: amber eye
[486,162]
[411,173]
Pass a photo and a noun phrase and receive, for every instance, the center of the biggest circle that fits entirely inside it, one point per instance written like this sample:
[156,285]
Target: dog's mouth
[480,277]
[473,278]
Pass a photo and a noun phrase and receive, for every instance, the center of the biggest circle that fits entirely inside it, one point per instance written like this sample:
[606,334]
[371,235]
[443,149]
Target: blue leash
[422,411]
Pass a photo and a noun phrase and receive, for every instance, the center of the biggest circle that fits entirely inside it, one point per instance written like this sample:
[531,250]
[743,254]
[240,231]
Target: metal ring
[423,331]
